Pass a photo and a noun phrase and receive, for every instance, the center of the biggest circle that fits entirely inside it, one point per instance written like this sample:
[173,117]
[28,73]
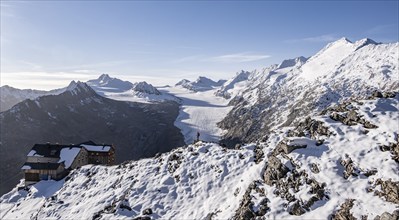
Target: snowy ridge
[278,96]
[105,83]
[117,89]
[200,85]
[11,96]
[301,172]
[227,89]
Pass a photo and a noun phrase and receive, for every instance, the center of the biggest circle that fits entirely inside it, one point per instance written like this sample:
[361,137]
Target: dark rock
[388,216]
[319,142]
[245,210]
[389,94]
[274,170]
[124,206]
[147,211]
[314,168]
[370,172]
[377,94]
[283,147]
[394,149]
[313,127]
[350,169]
[142,218]
[296,209]
[259,154]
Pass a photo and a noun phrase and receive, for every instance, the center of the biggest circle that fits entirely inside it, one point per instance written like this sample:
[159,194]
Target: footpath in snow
[199,112]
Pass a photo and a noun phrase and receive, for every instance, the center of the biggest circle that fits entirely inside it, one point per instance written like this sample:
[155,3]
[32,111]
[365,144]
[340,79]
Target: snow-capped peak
[106,83]
[104,78]
[144,87]
[182,82]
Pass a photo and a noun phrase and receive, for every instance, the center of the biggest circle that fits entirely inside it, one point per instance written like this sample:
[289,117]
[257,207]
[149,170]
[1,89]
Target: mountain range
[312,137]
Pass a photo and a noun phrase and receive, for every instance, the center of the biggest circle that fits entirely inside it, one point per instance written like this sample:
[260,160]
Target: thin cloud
[239,58]
[381,29]
[188,59]
[316,39]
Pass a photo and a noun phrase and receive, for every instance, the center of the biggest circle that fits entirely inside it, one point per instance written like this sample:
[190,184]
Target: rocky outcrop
[344,212]
[274,171]
[389,190]
[351,118]
[246,208]
[258,154]
[393,148]
[286,147]
[174,161]
[388,216]
[276,174]
[310,127]
[350,168]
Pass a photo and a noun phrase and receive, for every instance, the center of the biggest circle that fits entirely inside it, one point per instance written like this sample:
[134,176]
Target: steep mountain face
[339,164]
[10,96]
[281,94]
[200,85]
[79,114]
[231,87]
[105,83]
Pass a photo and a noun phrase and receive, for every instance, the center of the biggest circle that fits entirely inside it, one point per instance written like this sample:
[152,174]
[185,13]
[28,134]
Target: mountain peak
[182,82]
[104,77]
[364,42]
[343,40]
[292,62]
[107,83]
[78,87]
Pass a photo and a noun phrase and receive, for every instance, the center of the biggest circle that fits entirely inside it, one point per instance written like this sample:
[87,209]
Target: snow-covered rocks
[205,180]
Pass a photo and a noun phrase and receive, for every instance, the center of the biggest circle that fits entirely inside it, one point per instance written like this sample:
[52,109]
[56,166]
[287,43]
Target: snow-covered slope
[281,94]
[342,163]
[200,85]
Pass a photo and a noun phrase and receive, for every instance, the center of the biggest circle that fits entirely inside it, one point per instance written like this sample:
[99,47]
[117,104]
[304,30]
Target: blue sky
[47,44]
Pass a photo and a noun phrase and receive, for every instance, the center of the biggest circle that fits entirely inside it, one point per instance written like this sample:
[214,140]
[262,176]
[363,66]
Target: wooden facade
[47,161]
[102,157]
[35,172]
